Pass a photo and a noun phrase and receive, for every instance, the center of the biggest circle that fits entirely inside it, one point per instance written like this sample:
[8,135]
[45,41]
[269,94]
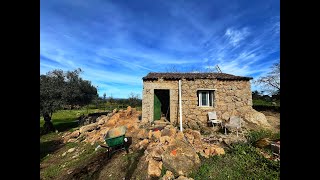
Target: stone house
[200,93]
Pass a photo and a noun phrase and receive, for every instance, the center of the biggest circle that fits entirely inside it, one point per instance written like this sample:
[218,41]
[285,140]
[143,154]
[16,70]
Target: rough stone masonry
[232,97]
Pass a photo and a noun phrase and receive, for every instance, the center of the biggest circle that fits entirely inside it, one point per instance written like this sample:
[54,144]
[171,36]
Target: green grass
[253,136]
[49,143]
[163,171]
[67,162]
[66,119]
[242,161]
[261,102]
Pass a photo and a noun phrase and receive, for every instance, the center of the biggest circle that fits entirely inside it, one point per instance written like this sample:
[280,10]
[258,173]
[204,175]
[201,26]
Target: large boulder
[180,158]
[256,118]
[89,128]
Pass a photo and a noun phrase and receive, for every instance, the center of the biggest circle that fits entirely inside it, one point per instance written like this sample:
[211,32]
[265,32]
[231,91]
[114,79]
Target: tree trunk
[48,126]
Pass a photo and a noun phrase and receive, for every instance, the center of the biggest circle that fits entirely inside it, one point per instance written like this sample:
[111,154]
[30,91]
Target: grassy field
[64,120]
[260,102]
[242,161]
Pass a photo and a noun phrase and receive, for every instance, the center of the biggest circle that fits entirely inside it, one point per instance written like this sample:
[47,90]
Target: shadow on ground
[49,147]
[63,125]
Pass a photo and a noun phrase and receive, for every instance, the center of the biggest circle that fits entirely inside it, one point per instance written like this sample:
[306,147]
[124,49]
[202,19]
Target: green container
[115,136]
[115,141]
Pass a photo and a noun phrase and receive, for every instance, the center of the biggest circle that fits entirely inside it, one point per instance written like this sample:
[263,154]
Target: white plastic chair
[213,118]
[235,122]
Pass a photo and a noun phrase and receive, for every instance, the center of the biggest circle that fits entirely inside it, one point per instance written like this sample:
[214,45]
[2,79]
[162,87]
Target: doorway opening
[161,104]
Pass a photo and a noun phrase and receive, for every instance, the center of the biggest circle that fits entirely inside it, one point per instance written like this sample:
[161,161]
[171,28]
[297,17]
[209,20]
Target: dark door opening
[161,104]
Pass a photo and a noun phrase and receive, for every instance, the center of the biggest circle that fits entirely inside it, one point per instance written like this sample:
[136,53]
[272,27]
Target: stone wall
[148,99]
[230,98]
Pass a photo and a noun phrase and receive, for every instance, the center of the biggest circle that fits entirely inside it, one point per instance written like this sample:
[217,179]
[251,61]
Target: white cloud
[235,36]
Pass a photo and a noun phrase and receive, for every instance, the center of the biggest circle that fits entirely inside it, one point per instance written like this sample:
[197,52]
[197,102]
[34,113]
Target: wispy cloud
[235,36]
[116,43]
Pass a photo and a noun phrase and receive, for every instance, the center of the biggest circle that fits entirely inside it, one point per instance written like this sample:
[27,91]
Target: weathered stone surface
[180,158]
[75,134]
[216,150]
[156,153]
[193,124]
[192,135]
[166,139]
[101,121]
[113,120]
[89,127]
[104,131]
[180,136]
[142,134]
[165,132]
[143,144]
[168,176]
[154,135]
[154,168]
[129,111]
[230,97]
[225,116]
[189,137]
[257,118]
[207,152]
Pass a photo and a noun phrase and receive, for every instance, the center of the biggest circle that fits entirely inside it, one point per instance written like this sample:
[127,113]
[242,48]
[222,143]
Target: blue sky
[117,42]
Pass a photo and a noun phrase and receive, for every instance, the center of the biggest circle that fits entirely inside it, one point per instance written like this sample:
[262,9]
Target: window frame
[210,93]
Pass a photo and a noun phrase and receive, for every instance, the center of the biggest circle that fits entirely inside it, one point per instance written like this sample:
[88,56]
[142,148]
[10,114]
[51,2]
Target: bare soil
[273,118]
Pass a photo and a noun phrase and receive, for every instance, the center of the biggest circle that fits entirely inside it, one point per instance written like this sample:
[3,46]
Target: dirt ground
[273,119]
[123,165]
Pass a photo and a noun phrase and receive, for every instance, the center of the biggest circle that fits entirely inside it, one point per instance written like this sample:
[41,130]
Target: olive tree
[59,88]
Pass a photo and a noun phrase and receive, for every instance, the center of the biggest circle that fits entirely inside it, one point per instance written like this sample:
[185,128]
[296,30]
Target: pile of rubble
[164,146]
[95,132]
[175,150]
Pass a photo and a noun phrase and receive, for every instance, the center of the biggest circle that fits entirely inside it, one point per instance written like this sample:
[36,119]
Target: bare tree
[134,100]
[172,69]
[271,82]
